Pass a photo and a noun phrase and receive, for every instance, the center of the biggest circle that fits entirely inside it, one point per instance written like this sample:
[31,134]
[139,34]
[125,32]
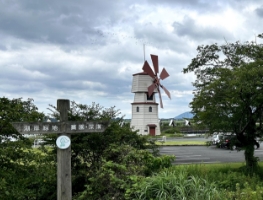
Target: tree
[122,167]
[15,110]
[120,153]
[93,153]
[229,91]
[24,173]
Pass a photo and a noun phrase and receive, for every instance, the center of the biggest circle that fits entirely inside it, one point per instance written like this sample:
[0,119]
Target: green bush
[114,179]
[31,177]
[171,130]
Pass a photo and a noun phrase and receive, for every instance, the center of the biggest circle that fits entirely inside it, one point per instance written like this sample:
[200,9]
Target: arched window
[137,109]
[150,109]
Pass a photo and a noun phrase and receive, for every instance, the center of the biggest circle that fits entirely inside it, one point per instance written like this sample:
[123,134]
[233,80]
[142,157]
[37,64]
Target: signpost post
[64,129]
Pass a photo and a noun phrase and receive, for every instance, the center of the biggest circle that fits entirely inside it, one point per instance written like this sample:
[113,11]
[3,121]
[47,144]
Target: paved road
[203,154]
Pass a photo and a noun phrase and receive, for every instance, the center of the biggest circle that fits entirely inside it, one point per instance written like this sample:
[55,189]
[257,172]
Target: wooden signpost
[64,129]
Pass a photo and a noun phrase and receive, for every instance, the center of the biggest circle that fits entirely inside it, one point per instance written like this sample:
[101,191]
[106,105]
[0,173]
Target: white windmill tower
[144,107]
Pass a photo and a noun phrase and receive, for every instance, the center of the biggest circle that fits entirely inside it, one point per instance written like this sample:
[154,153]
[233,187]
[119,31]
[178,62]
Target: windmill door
[152,131]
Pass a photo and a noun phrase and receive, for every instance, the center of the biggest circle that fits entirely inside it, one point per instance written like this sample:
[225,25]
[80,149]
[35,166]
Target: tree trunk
[251,160]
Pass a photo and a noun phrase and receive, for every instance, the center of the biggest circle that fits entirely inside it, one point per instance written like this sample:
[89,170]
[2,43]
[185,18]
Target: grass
[181,143]
[234,165]
[218,181]
[216,166]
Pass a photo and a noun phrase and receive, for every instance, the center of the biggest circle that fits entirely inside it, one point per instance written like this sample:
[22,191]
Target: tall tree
[24,173]
[229,91]
[90,151]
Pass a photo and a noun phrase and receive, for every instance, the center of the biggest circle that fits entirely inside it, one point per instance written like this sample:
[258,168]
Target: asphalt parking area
[204,154]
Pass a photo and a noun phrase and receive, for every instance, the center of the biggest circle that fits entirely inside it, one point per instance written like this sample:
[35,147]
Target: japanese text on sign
[58,127]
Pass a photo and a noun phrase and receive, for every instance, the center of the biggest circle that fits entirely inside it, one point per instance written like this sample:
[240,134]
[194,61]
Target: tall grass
[225,176]
[202,182]
[172,184]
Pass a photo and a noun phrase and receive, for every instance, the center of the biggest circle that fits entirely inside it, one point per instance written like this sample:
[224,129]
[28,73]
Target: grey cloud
[259,11]
[191,30]
[200,6]
[3,47]
[88,50]
[156,36]
[17,86]
[61,78]
[63,22]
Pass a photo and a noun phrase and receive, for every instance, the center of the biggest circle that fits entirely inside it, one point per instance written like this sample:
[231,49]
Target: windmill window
[150,109]
[137,109]
[149,97]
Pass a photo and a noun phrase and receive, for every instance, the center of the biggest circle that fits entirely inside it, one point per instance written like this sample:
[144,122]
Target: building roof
[151,125]
[140,73]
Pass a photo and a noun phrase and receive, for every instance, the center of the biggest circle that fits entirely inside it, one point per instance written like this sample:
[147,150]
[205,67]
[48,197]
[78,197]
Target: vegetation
[181,143]
[229,91]
[24,173]
[116,164]
[107,161]
[226,182]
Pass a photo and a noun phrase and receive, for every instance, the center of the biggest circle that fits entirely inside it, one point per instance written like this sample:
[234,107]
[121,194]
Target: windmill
[156,80]
[144,108]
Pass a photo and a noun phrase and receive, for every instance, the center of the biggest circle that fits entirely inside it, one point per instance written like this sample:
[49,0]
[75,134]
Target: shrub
[171,130]
[115,177]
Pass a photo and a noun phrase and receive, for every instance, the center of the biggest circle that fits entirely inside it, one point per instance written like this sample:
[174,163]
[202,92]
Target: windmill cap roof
[140,73]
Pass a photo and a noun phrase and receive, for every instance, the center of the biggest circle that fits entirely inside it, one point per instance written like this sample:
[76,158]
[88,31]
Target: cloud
[259,11]
[87,51]
[191,29]
[61,22]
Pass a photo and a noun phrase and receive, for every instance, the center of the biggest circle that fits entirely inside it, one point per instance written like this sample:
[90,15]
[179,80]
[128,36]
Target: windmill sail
[156,80]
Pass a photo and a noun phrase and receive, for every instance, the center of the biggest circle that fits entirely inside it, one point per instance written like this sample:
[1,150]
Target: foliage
[244,194]
[200,182]
[31,177]
[24,173]
[78,112]
[171,130]
[225,176]
[229,91]
[100,155]
[16,110]
[172,184]
[114,179]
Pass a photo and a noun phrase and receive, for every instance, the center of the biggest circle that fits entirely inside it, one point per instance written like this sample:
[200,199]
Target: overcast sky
[88,50]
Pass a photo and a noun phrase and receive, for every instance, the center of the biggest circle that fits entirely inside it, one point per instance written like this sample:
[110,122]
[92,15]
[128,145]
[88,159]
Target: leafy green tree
[92,152]
[229,91]
[123,167]
[15,110]
[24,173]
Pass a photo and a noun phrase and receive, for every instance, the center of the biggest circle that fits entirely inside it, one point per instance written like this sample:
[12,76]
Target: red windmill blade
[166,91]
[164,74]
[146,68]
[155,63]
[160,97]
[156,80]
